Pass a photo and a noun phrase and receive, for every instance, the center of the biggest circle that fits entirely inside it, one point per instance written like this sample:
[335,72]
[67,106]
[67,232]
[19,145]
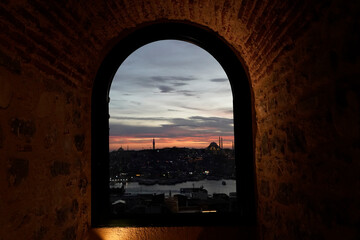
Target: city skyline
[229,144]
[172,91]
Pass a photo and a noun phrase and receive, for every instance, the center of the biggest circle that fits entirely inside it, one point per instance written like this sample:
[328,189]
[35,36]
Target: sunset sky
[172,91]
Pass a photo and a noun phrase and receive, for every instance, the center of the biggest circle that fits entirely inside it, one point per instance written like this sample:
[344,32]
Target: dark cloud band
[176,127]
[171,78]
[166,89]
[219,80]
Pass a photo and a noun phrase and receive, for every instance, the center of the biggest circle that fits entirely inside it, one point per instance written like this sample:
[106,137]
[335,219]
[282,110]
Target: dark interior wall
[308,133]
[303,64]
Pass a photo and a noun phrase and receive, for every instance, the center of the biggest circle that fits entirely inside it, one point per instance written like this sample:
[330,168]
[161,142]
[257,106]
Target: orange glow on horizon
[131,143]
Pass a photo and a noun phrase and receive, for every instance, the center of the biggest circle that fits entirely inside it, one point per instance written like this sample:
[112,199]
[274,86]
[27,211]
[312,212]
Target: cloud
[179,84]
[171,78]
[135,102]
[228,110]
[194,126]
[139,118]
[163,131]
[166,89]
[219,80]
[186,93]
[181,81]
[205,123]
[192,108]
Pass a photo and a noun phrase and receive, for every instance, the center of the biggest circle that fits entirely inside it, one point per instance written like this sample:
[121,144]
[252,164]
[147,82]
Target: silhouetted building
[213,146]
[195,193]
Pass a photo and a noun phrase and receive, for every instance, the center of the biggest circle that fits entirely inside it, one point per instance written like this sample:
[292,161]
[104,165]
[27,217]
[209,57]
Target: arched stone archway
[242,105]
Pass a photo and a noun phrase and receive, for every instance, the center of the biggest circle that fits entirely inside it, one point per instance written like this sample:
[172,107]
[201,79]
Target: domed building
[213,147]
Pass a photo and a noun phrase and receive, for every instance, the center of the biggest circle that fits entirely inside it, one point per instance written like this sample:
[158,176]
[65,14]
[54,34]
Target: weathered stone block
[61,216]
[46,104]
[6,93]
[264,188]
[49,141]
[285,194]
[40,233]
[1,138]
[18,171]
[69,233]
[278,144]
[76,118]
[24,148]
[60,168]
[83,182]
[268,214]
[79,141]
[51,137]
[296,141]
[74,208]
[264,144]
[23,128]
[10,63]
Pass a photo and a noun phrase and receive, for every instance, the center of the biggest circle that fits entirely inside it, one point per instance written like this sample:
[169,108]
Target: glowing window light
[208,211]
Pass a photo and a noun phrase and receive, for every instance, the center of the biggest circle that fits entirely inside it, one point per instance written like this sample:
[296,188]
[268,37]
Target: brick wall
[308,133]
[302,60]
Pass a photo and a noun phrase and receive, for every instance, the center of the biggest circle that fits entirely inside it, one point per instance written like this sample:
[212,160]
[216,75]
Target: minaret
[153,143]
[219,142]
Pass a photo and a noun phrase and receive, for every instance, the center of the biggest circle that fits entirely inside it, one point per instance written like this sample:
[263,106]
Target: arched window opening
[171,137]
[133,122]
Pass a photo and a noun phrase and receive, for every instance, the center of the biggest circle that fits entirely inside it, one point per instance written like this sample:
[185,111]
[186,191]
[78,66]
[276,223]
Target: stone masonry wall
[303,65]
[308,133]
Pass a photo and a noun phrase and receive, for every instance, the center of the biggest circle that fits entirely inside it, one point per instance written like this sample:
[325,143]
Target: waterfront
[212,186]
[173,180]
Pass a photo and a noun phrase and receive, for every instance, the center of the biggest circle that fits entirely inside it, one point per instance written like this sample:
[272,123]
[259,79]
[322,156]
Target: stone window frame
[231,62]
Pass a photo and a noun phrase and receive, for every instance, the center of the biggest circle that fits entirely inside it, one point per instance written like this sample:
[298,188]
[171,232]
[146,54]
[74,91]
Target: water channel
[212,186]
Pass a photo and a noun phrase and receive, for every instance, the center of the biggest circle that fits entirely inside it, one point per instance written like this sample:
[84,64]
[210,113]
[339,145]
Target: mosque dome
[213,146]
